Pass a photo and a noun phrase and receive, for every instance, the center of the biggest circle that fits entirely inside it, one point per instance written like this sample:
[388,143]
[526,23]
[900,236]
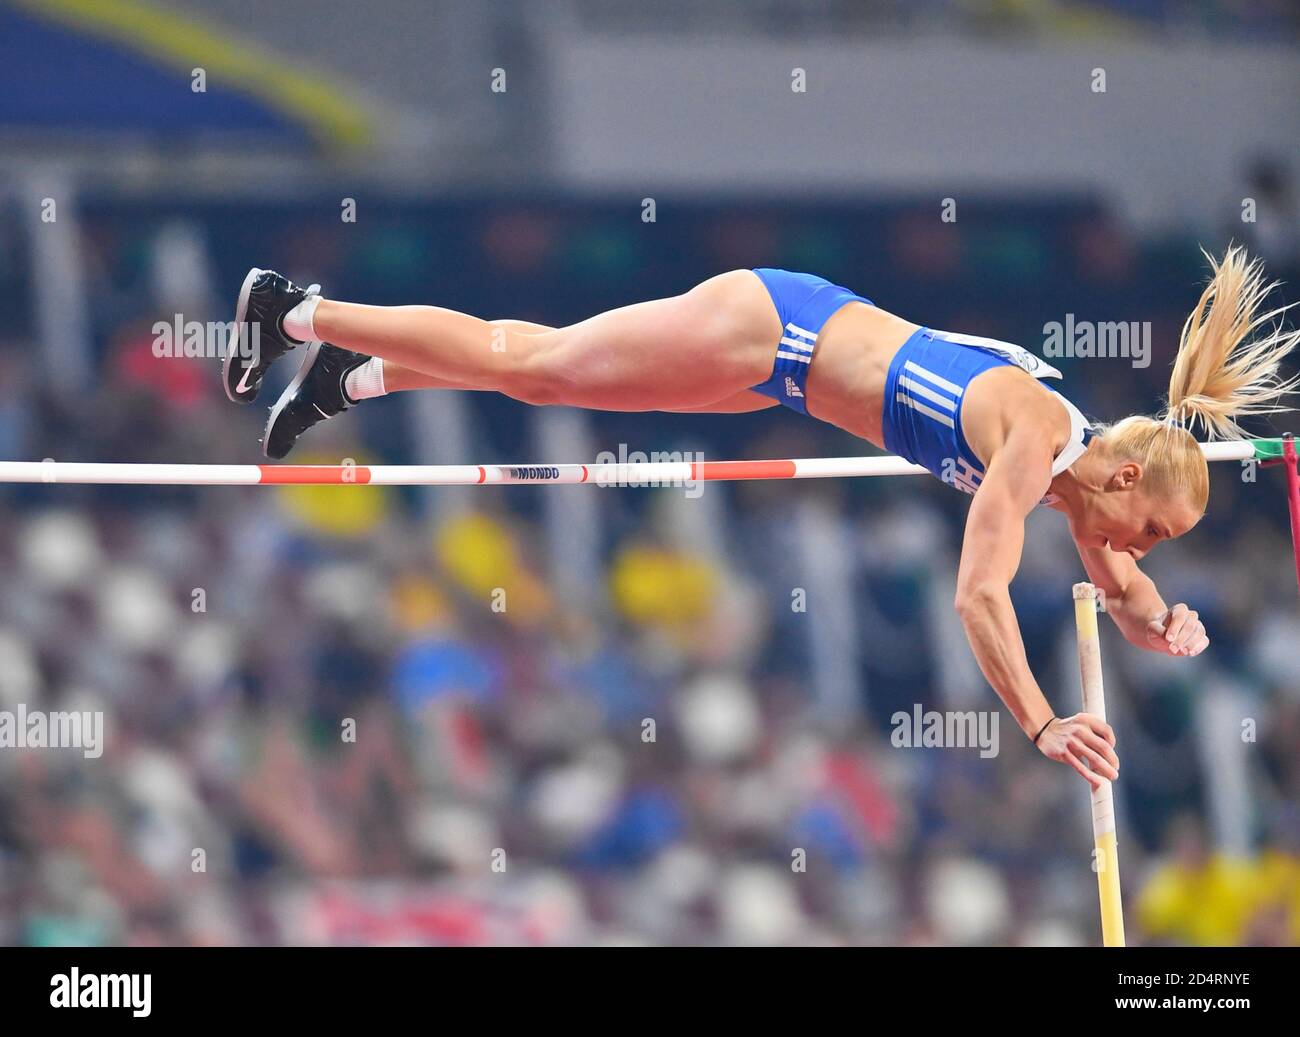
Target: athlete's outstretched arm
[1016,479]
[1137,608]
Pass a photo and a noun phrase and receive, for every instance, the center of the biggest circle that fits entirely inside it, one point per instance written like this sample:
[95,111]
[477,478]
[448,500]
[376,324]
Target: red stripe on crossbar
[707,470]
[307,474]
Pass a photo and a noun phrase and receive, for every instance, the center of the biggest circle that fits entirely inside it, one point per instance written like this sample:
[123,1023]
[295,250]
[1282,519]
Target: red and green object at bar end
[1293,497]
[1271,452]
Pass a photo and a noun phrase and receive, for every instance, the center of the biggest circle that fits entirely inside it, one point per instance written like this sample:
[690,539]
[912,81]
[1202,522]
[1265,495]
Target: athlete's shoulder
[1007,402]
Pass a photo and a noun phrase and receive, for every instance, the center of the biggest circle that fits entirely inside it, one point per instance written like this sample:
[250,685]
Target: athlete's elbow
[977,598]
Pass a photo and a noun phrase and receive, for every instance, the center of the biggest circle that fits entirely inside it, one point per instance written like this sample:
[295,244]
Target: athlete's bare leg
[403,379]
[686,352]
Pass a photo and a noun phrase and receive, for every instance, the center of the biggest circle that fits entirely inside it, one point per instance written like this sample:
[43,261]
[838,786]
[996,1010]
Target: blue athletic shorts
[804,303]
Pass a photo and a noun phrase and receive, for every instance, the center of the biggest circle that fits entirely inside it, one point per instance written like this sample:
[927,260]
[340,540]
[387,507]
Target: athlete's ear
[1126,476]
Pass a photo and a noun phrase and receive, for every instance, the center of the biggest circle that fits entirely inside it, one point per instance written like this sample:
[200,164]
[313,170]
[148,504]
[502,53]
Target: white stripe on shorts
[917,389]
[929,412]
[933,378]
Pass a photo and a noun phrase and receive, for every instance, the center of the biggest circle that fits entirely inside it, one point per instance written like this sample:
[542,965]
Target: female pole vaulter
[975,412]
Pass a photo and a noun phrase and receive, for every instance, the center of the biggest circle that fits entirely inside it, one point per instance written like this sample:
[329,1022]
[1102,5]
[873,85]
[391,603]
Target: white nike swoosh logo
[243,381]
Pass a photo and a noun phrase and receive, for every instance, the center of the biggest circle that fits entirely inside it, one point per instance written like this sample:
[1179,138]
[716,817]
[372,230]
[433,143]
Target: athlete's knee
[538,372]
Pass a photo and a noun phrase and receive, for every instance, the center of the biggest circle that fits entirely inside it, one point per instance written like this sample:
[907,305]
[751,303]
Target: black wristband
[1042,729]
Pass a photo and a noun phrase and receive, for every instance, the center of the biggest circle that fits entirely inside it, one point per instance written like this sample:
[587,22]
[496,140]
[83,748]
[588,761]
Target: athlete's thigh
[524,327]
[690,350]
[738,403]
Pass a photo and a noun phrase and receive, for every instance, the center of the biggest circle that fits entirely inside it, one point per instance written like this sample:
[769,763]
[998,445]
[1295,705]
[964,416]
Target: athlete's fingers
[1191,632]
[1100,747]
[1092,779]
[1099,764]
[1201,643]
[1095,723]
[1177,618]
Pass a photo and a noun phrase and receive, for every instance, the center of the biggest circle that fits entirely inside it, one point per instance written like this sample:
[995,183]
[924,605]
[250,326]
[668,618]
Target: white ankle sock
[297,323]
[365,382]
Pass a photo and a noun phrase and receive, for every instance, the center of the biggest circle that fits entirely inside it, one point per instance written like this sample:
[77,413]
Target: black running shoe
[264,299]
[316,393]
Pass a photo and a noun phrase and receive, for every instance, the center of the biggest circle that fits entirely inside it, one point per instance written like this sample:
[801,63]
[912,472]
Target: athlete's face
[1125,517]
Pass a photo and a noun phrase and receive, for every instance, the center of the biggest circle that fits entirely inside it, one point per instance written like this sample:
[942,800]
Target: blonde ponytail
[1221,372]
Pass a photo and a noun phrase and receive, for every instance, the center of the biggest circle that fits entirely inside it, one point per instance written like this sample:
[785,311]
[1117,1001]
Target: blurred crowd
[347,715]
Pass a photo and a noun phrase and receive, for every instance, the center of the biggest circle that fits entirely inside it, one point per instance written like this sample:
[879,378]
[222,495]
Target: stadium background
[228,632]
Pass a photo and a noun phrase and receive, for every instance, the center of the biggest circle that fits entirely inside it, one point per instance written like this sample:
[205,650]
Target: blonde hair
[1223,370]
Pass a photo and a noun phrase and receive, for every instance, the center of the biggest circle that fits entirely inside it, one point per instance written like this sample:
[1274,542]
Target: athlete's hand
[1083,741]
[1177,632]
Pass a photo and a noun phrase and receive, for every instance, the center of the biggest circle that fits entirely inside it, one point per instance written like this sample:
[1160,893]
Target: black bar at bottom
[359,985]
